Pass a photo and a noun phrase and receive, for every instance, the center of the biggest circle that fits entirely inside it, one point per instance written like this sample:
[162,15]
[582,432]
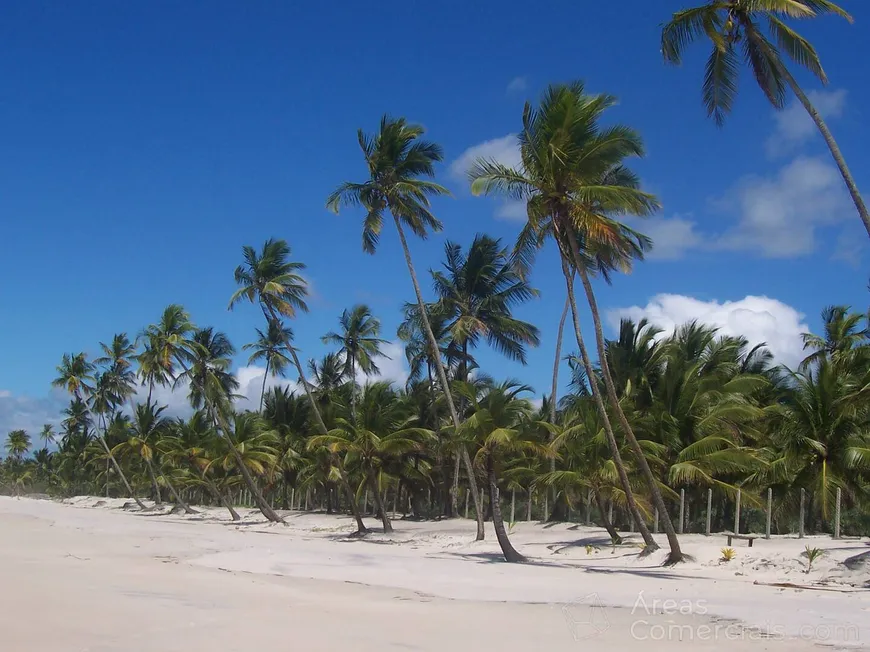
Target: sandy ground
[87,576]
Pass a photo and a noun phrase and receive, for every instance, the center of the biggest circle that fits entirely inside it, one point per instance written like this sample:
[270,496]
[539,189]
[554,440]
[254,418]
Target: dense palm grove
[648,413]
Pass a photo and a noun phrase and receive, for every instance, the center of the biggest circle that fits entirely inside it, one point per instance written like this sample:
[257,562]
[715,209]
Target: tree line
[647,413]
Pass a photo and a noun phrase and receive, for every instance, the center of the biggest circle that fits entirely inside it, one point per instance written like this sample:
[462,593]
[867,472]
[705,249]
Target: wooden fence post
[589,507]
[737,514]
[837,514]
[529,506]
[709,511]
[802,513]
[682,510]
[769,512]
[513,505]
[656,521]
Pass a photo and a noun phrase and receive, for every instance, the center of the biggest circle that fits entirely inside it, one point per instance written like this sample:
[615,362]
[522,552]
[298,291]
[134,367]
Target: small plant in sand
[728,554]
[591,549]
[511,526]
[812,554]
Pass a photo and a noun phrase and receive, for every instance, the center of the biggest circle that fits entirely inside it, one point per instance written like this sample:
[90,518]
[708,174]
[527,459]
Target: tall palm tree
[171,342]
[272,281]
[289,417]
[844,333]
[270,347]
[759,30]
[47,435]
[117,363]
[17,444]
[401,167]
[208,371]
[575,183]
[76,375]
[359,345]
[477,291]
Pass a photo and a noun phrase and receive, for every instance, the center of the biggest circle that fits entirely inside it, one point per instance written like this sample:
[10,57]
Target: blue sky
[145,143]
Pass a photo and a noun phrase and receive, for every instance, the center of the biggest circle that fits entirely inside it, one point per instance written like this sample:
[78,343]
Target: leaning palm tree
[272,281]
[208,371]
[501,423]
[758,29]
[359,345]
[574,181]
[270,347]
[172,344]
[76,375]
[117,363]
[401,168]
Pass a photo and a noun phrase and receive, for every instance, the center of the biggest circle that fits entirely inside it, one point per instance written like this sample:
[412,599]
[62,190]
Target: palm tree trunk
[223,428]
[263,389]
[115,464]
[351,497]
[509,552]
[178,499]
[221,498]
[158,499]
[649,542]
[676,554]
[554,389]
[442,377]
[614,535]
[269,313]
[379,505]
[832,145]
[353,389]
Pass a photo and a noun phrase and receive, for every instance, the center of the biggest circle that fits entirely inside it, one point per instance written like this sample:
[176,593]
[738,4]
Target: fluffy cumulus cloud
[778,216]
[759,319]
[504,150]
[518,84]
[793,125]
[672,237]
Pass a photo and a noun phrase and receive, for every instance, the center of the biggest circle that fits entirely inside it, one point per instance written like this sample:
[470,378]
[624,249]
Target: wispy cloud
[505,150]
[793,125]
[518,84]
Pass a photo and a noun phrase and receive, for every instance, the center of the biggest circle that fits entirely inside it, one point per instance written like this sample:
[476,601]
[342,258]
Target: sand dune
[99,579]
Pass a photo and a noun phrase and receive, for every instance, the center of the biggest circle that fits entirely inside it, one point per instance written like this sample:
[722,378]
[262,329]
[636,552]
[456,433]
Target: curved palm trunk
[269,313]
[614,535]
[223,429]
[554,389]
[442,377]
[178,499]
[263,389]
[117,467]
[509,552]
[676,554]
[648,540]
[353,389]
[221,498]
[158,499]
[832,145]
[379,505]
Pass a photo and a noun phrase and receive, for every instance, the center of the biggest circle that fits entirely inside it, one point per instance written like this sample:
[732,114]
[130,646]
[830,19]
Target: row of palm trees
[576,186]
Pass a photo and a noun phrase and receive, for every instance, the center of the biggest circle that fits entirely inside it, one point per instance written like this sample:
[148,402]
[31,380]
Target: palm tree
[574,182]
[727,23]
[171,343]
[270,347]
[383,430]
[271,280]
[289,417]
[17,444]
[501,423]
[400,168]
[359,343]
[476,294]
[48,436]
[76,375]
[117,362]
[210,359]
[845,333]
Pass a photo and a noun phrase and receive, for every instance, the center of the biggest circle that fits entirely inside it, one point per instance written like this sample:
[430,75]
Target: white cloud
[393,365]
[512,211]
[29,413]
[758,318]
[5,393]
[778,216]
[672,237]
[794,126]
[518,84]
[505,150]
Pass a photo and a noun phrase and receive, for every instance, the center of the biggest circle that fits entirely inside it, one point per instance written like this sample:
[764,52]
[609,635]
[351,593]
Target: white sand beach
[91,577]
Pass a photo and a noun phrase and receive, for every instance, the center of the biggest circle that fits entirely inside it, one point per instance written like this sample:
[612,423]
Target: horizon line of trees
[645,414]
